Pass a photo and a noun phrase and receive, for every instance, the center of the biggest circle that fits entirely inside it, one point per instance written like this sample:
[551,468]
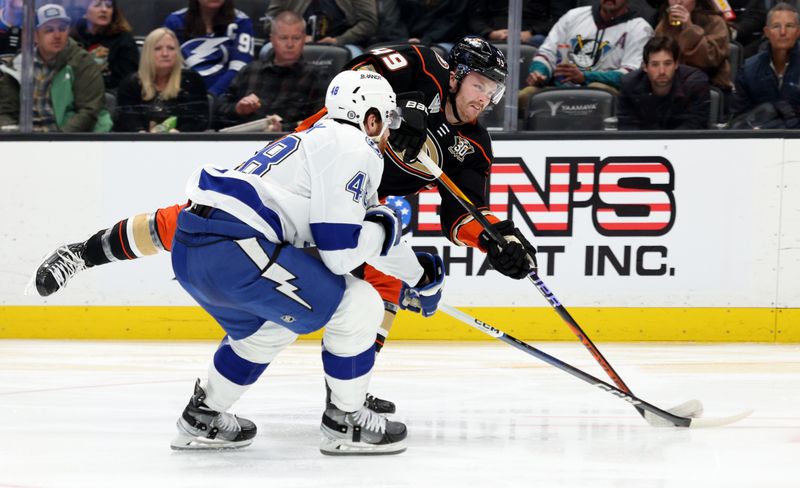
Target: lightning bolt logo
[201,54]
[275,273]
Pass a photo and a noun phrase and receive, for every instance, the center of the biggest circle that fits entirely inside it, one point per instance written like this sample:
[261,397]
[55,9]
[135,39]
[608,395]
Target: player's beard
[469,111]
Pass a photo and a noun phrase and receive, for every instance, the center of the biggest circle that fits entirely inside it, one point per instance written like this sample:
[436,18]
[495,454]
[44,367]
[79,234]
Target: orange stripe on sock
[122,243]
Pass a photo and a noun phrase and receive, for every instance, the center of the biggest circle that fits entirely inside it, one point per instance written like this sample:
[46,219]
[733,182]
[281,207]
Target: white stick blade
[718,422]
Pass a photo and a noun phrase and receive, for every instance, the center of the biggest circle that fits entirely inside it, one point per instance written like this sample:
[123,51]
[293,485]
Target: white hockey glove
[424,298]
[392,225]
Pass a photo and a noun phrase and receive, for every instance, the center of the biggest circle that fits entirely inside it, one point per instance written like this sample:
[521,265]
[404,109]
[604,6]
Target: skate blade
[186,443]
[340,447]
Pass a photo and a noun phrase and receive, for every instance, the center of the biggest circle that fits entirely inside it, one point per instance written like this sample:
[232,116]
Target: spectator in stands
[767,93]
[10,27]
[663,95]
[349,23]
[746,29]
[434,21]
[105,34]
[702,36]
[68,91]
[161,89]
[391,27]
[589,46]
[283,90]
[216,40]
[646,9]
[489,19]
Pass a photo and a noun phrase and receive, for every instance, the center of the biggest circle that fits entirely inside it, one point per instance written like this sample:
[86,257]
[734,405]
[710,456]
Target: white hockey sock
[221,393]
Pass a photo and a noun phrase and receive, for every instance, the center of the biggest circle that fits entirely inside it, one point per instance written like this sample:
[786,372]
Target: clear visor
[490,88]
[486,86]
[393,118]
[498,94]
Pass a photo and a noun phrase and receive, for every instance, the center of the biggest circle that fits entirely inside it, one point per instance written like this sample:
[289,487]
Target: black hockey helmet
[474,53]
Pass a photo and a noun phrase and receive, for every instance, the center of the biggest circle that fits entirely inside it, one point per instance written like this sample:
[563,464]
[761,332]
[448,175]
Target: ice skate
[361,432]
[201,428]
[59,267]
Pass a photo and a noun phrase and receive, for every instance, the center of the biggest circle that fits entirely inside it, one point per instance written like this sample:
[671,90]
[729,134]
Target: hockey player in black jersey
[441,101]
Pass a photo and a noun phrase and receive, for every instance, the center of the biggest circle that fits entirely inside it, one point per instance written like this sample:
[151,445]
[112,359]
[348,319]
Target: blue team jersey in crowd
[216,58]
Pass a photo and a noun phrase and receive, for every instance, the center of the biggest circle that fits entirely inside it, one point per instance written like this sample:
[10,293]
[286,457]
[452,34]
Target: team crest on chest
[461,148]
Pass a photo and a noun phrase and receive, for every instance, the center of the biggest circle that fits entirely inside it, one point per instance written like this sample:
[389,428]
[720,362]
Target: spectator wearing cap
[68,93]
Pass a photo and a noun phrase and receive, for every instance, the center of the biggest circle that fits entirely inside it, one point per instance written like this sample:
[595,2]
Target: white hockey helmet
[351,94]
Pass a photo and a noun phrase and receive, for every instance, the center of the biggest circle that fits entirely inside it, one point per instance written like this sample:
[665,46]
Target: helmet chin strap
[451,99]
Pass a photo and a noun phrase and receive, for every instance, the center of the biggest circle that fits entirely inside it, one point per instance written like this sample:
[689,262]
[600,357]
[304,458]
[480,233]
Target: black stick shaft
[566,367]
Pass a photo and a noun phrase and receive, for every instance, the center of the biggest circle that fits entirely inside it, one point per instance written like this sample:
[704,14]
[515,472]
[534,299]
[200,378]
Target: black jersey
[10,39]
[464,152]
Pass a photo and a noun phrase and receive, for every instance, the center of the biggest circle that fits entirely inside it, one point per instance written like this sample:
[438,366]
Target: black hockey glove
[516,258]
[411,135]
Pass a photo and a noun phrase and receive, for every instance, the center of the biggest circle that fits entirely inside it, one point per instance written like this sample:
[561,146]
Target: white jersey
[311,188]
[617,47]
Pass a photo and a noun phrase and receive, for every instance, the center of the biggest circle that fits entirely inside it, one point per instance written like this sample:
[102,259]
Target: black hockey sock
[380,339]
[93,255]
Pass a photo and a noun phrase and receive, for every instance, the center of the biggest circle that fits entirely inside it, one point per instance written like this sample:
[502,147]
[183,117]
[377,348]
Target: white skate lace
[66,268]
[62,271]
[370,420]
[227,422]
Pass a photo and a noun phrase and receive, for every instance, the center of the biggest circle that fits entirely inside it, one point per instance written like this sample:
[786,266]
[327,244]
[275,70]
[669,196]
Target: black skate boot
[59,267]
[199,427]
[361,432]
[377,405]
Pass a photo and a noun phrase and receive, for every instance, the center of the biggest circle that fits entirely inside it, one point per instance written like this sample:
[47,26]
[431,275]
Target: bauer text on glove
[412,133]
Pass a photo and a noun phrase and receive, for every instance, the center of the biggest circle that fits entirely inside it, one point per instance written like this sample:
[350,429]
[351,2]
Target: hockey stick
[533,276]
[653,414]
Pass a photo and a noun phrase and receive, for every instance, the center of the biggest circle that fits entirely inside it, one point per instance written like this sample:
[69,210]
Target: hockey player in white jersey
[238,252]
